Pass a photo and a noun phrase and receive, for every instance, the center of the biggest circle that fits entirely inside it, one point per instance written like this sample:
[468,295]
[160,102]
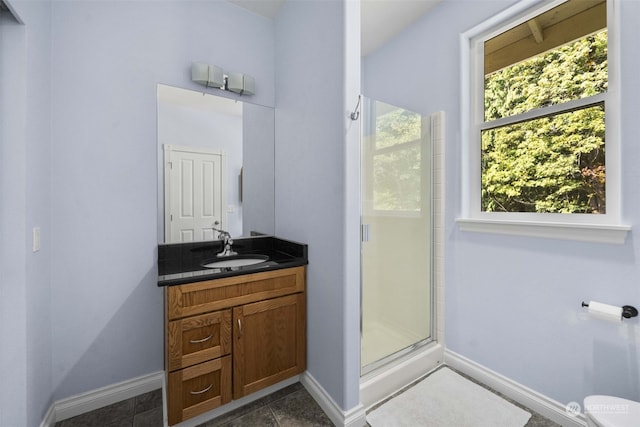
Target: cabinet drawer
[210,295]
[196,339]
[198,389]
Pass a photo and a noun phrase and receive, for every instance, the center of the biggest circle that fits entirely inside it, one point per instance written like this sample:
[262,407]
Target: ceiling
[381,20]
[564,23]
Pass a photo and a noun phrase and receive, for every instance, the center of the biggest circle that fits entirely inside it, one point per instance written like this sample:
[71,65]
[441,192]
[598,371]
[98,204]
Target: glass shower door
[396,233]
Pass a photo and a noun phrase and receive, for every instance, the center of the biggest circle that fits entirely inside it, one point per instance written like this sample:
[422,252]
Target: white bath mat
[446,399]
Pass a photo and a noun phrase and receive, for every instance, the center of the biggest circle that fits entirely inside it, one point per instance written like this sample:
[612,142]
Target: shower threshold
[386,379]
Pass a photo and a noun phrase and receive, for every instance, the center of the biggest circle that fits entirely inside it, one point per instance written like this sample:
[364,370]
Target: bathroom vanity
[234,330]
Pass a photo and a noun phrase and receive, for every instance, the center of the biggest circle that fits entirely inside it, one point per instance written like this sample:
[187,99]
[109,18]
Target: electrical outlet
[36,239]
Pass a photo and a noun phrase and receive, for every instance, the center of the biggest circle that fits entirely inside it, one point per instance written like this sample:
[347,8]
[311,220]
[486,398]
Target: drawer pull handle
[202,340]
[239,328]
[201,391]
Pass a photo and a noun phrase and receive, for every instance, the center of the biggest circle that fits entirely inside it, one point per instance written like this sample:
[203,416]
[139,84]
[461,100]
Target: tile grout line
[273,414]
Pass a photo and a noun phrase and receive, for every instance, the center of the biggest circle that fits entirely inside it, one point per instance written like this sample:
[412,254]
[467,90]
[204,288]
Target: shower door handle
[364,232]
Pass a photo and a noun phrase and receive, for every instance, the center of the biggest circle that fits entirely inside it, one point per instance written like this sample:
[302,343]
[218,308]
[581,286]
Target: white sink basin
[236,261]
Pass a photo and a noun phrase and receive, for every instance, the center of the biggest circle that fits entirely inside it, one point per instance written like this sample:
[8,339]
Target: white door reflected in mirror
[195,189]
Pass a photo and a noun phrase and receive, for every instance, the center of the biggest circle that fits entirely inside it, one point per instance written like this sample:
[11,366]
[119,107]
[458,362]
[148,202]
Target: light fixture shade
[235,82]
[241,83]
[216,77]
[200,73]
[249,86]
[208,75]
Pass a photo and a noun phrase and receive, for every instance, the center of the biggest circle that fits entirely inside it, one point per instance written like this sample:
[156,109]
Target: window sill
[600,233]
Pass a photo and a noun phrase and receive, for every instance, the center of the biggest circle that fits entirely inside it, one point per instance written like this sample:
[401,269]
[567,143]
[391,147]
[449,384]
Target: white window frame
[606,227]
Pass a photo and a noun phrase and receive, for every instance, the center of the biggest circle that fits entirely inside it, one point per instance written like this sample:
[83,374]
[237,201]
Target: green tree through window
[554,163]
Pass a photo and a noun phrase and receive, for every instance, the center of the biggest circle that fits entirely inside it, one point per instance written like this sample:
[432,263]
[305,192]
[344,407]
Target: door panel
[396,232]
[195,194]
[269,343]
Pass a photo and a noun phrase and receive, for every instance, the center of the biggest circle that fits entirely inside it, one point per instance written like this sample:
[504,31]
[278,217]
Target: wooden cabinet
[197,389]
[197,339]
[270,343]
[230,337]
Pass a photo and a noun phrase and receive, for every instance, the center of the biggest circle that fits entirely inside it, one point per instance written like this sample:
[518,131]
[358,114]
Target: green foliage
[555,163]
[397,161]
[397,180]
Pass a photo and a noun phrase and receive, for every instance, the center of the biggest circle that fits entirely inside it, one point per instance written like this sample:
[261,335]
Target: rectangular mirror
[215,166]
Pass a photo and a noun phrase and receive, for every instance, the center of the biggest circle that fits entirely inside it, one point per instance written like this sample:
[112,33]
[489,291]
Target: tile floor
[290,407]
[144,410]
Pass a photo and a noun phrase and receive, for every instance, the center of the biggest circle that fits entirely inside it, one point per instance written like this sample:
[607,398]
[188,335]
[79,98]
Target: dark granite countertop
[180,263]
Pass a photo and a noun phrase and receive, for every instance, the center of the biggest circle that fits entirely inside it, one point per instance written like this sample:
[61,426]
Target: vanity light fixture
[208,75]
[213,76]
[241,83]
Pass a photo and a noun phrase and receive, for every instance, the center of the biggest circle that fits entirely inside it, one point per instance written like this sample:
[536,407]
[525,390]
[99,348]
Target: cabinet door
[198,389]
[197,339]
[269,343]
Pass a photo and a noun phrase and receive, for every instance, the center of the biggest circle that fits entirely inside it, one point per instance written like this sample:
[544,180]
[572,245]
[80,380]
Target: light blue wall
[38,178]
[351,229]
[86,312]
[107,59]
[78,157]
[25,361]
[13,368]
[314,82]
[513,303]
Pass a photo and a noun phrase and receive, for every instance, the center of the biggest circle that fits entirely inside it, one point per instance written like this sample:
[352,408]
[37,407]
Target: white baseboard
[540,403]
[85,402]
[49,419]
[355,417]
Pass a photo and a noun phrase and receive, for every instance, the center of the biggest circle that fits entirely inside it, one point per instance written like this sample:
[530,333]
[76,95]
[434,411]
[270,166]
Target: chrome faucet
[227,243]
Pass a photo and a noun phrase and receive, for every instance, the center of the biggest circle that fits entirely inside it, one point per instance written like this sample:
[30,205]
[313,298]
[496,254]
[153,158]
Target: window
[539,123]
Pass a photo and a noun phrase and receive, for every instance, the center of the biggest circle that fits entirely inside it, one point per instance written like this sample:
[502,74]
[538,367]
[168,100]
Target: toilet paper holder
[628,311]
